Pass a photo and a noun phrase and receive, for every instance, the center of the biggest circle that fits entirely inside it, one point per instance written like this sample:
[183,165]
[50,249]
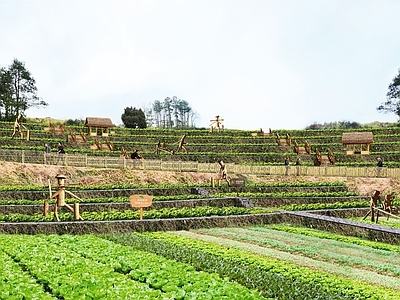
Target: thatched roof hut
[98,126]
[359,142]
[98,122]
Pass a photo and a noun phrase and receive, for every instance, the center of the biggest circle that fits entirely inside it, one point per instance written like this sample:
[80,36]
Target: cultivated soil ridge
[20,174]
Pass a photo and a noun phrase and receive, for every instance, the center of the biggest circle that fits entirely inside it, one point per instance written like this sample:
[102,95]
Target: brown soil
[33,174]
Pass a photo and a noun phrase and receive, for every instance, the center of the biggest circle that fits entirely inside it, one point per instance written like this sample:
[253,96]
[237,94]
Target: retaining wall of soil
[97,207]
[113,193]
[126,226]
[318,220]
[324,220]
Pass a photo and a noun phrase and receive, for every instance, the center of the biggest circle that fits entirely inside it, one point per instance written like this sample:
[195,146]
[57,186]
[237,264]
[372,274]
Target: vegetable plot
[199,211]
[340,258]
[88,267]
[280,264]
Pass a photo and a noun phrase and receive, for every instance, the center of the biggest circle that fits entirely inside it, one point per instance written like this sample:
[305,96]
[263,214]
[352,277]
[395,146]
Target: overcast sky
[280,64]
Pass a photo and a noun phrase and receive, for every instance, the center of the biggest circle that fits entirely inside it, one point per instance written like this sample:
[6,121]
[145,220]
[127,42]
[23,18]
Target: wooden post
[46,208]
[76,211]
[373,204]
[372,213]
[141,213]
[48,181]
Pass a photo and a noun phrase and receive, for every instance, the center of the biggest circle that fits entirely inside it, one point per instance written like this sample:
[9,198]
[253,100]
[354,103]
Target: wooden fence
[109,162]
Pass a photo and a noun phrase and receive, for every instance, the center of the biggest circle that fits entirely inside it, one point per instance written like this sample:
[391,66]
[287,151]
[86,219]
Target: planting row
[281,265]
[86,267]
[149,186]
[391,157]
[15,193]
[257,197]
[185,212]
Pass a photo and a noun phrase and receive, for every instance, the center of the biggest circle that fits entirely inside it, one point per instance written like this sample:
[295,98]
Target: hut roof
[98,122]
[357,138]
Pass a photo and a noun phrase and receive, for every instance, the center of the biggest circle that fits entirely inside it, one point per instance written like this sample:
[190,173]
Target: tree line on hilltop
[170,113]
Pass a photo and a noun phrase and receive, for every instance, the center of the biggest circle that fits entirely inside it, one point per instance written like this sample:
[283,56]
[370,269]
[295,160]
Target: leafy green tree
[134,118]
[75,122]
[392,103]
[18,91]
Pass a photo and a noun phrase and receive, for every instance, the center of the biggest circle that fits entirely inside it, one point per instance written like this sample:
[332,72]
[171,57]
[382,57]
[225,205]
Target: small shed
[98,126]
[357,142]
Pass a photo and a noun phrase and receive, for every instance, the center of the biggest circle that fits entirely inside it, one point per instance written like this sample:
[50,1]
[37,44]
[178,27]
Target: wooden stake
[141,213]
[76,211]
[46,208]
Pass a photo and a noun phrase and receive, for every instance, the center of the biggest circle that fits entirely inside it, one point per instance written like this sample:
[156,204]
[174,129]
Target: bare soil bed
[35,174]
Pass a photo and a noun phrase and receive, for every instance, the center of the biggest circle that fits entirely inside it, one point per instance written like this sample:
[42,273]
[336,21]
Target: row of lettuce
[243,156]
[184,197]
[204,136]
[87,267]
[186,212]
[171,186]
[274,278]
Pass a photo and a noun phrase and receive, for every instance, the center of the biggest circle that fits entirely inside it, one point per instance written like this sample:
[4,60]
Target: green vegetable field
[276,236]
[255,262]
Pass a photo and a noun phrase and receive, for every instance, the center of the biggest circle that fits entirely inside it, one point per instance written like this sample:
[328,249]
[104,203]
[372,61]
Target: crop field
[232,146]
[285,262]
[257,262]
[248,262]
[88,267]
[197,240]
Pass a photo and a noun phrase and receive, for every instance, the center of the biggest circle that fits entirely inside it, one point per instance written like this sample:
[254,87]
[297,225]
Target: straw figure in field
[223,173]
[60,195]
[217,123]
[181,144]
[162,147]
[17,127]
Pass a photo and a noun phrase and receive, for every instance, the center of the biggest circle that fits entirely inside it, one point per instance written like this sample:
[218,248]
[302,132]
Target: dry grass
[35,174]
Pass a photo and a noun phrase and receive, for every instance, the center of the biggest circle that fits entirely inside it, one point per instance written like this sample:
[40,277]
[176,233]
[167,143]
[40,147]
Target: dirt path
[35,174]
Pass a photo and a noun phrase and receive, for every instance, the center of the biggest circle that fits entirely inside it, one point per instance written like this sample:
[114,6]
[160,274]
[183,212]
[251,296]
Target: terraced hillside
[223,242]
[199,204]
[233,146]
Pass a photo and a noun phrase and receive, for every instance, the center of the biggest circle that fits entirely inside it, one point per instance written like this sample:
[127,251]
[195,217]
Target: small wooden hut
[98,126]
[357,142]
